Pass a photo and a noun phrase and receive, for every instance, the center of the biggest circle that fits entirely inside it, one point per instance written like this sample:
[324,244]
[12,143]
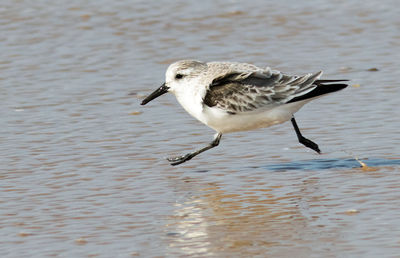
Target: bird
[232,96]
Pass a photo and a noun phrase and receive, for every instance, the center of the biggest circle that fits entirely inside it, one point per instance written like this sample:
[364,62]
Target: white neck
[191,102]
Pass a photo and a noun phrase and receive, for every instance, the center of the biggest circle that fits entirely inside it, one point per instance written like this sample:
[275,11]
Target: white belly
[223,122]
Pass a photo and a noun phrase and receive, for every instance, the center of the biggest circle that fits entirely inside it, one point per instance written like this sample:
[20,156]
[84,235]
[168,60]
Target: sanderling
[231,97]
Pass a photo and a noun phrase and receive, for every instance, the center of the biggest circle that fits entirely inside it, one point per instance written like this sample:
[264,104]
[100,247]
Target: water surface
[83,169]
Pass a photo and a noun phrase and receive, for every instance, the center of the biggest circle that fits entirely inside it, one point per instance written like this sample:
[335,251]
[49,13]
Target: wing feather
[238,92]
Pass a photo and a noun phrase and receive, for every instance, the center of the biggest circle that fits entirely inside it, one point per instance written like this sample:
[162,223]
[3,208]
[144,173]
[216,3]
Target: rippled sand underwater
[83,169]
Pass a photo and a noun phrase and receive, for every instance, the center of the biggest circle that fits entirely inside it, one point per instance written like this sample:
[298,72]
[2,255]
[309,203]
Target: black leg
[180,159]
[306,142]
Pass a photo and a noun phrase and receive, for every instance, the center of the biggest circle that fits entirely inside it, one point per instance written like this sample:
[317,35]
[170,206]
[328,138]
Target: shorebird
[231,97]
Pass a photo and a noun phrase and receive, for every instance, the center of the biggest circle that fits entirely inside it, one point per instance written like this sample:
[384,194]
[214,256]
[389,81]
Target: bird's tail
[322,87]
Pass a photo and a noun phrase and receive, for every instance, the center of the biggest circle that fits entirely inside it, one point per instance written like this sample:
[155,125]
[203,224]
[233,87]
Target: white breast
[192,103]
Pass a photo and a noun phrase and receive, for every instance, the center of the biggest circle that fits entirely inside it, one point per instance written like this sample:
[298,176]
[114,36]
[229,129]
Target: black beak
[157,93]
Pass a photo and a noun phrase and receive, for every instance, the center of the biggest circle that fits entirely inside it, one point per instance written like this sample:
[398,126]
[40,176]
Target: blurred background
[82,164]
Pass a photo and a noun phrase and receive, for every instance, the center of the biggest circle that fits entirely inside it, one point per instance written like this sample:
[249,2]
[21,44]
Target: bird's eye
[178,76]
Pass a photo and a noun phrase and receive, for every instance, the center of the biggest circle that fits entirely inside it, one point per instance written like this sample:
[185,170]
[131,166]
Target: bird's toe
[179,159]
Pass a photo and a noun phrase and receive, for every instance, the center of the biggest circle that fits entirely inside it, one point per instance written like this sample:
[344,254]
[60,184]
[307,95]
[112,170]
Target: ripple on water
[83,169]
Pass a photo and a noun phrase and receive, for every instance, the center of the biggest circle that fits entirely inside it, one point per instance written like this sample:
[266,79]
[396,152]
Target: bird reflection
[215,222]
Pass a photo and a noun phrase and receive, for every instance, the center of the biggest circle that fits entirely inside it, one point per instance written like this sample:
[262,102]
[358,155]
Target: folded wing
[238,92]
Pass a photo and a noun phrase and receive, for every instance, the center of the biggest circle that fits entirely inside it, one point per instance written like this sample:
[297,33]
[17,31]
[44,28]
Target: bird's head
[177,78]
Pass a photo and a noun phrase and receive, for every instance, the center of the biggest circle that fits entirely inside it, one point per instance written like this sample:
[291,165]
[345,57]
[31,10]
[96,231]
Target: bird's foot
[180,159]
[310,144]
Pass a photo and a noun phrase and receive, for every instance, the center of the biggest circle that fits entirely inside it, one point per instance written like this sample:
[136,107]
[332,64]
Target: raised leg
[180,159]
[306,142]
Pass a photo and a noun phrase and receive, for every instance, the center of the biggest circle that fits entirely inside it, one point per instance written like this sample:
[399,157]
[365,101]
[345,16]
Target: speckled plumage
[248,91]
[231,97]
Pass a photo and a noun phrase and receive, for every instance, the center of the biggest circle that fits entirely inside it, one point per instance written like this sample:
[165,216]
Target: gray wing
[238,92]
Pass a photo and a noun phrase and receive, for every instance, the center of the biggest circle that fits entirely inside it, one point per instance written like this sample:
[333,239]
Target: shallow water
[83,169]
